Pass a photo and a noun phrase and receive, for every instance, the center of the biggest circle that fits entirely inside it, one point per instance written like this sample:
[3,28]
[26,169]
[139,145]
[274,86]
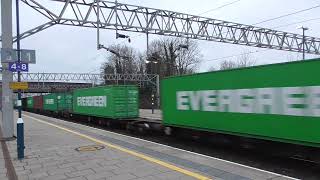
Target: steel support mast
[6,100]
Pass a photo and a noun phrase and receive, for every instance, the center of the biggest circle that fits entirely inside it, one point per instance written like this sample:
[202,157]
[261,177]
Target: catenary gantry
[88,77]
[164,22]
[50,82]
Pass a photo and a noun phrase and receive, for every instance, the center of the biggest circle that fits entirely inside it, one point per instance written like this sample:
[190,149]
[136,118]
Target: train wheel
[141,130]
[168,131]
[109,124]
[129,128]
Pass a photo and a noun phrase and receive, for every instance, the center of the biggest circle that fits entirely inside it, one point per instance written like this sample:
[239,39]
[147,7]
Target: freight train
[113,102]
[277,104]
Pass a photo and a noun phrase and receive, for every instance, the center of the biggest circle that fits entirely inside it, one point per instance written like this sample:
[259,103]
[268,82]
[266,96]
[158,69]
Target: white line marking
[210,157]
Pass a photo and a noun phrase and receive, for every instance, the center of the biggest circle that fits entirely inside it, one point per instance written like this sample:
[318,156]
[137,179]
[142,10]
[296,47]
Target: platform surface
[3,169]
[57,149]
[147,113]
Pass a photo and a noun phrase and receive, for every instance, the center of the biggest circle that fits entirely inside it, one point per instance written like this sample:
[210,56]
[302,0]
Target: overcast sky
[73,49]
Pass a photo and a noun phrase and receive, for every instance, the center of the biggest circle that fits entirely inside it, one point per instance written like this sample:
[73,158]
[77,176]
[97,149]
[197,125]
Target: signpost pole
[7,105]
[20,123]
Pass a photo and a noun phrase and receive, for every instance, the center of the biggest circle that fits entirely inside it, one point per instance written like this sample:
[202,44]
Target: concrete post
[7,104]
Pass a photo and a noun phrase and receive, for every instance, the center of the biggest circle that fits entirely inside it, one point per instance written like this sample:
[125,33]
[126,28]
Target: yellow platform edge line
[142,156]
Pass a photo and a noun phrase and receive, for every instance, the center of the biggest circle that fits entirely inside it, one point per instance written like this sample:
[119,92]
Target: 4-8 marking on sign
[15,67]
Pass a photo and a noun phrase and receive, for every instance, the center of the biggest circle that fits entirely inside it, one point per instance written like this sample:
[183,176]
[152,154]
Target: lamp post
[152,92]
[303,40]
[20,123]
[151,59]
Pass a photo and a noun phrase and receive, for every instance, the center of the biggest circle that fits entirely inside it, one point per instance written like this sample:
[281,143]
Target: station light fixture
[155,62]
[183,46]
[123,36]
[100,46]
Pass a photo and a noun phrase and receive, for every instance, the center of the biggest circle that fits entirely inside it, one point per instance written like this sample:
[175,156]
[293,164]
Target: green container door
[108,101]
[68,102]
[278,102]
[64,102]
[29,102]
[50,102]
[132,101]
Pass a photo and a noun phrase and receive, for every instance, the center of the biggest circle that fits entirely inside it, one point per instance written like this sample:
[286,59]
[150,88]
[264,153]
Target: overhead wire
[286,15]
[236,55]
[298,22]
[220,7]
[272,19]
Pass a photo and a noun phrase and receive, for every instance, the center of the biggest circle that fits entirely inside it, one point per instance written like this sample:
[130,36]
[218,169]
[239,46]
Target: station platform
[57,149]
[147,113]
[3,169]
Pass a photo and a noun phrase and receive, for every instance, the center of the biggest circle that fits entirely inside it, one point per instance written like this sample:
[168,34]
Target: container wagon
[30,103]
[278,102]
[65,103]
[50,104]
[114,102]
[37,103]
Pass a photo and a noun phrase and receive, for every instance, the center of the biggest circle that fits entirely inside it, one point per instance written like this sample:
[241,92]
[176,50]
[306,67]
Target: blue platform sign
[15,67]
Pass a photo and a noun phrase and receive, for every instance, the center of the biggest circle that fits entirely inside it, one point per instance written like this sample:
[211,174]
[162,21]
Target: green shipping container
[29,102]
[116,102]
[279,102]
[50,102]
[64,102]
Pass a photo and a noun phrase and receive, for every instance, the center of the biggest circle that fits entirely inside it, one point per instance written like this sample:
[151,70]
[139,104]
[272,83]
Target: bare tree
[174,56]
[188,59]
[126,63]
[227,64]
[210,69]
[168,56]
[129,62]
[141,64]
[244,60]
[293,57]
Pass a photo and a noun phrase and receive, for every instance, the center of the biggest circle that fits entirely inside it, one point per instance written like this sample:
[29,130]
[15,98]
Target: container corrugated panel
[115,102]
[50,102]
[132,101]
[64,101]
[29,102]
[38,102]
[277,102]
